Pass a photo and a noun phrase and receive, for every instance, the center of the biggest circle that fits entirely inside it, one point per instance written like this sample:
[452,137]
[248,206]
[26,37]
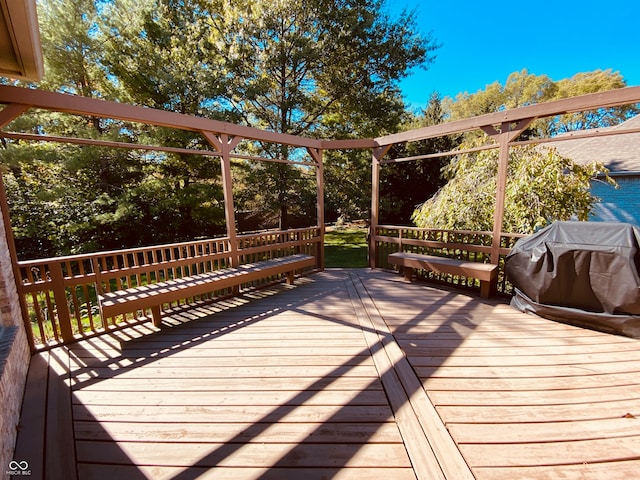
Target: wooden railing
[61,293]
[460,244]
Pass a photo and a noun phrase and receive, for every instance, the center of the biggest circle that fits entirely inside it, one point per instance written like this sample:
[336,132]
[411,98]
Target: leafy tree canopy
[309,67]
[541,185]
[524,88]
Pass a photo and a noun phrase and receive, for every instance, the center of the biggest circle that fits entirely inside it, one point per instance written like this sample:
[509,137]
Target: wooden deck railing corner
[458,244]
[61,294]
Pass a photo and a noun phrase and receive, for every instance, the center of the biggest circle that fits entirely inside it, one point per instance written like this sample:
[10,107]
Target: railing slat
[464,244]
[53,287]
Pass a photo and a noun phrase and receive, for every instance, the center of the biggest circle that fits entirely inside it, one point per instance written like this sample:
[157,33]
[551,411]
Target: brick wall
[14,350]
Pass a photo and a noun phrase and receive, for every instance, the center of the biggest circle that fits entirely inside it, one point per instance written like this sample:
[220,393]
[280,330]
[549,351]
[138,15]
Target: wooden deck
[352,374]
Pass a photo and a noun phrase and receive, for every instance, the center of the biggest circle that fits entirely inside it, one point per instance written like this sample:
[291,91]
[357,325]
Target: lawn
[345,247]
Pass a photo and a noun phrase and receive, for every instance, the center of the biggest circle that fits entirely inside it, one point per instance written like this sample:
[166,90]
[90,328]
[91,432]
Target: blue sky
[483,42]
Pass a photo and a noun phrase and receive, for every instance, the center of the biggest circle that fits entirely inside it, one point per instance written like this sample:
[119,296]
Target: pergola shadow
[354,436]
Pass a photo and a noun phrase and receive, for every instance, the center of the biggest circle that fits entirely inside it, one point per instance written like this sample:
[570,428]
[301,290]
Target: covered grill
[584,273]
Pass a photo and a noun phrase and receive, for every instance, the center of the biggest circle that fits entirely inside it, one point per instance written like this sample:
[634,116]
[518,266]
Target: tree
[524,88]
[311,67]
[71,52]
[69,191]
[160,54]
[585,83]
[542,187]
[301,67]
[521,89]
[405,185]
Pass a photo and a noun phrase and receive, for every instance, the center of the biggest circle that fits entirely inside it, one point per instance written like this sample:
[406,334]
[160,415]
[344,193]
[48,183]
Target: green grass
[345,247]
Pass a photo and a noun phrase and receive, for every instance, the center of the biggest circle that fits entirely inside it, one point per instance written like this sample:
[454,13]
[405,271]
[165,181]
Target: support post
[501,185]
[62,306]
[378,153]
[13,254]
[224,144]
[507,134]
[156,314]
[316,154]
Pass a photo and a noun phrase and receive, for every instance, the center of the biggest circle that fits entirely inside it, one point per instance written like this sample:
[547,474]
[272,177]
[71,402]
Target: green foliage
[316,68]
[541,187]
[70,49]
[585,83]
[277,194]
[346,247]
[348,178]
[524,88]
[405,185]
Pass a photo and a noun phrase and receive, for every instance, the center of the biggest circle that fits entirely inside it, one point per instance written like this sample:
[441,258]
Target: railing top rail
[275,231]
[88,256]
[464,232]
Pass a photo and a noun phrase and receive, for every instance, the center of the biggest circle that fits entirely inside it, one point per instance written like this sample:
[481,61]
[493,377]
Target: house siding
[620,204]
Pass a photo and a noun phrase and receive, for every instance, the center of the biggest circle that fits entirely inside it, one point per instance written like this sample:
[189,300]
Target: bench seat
[485,272]
[155,294]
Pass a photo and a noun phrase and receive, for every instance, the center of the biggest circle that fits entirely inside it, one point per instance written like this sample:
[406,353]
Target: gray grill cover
[583,273]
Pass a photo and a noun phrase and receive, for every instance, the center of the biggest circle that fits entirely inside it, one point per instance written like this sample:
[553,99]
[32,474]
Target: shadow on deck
[349,374]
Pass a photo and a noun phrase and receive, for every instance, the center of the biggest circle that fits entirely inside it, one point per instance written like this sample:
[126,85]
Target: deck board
[283,383]
[523,397]
[349,374]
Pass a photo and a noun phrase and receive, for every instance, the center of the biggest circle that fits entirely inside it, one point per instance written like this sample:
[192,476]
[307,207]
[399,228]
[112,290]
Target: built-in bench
[153,295]
[485,272]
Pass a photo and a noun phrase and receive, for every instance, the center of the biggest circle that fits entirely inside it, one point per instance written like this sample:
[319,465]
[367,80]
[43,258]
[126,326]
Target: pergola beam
[611,98]
[10,112]
[78,105]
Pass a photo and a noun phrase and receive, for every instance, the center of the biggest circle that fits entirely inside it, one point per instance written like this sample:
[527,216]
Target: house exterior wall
[617,205]
[14,356]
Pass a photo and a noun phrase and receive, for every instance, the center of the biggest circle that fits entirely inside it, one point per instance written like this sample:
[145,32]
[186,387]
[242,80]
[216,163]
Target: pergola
[438,320]
[502,127]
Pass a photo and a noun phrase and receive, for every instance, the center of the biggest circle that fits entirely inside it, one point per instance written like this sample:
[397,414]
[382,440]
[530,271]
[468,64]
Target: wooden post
[508,133]
[501,184]
[224,144]
[60,296]
[11,245]
[378,153]
[316,154]
[375,202]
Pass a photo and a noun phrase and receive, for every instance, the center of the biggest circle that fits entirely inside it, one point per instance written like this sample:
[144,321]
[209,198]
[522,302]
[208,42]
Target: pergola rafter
[503,127]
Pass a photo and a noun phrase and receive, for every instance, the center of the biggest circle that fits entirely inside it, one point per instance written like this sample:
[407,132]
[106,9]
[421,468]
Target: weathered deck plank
[347,375]
[523,397]
[282,384]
